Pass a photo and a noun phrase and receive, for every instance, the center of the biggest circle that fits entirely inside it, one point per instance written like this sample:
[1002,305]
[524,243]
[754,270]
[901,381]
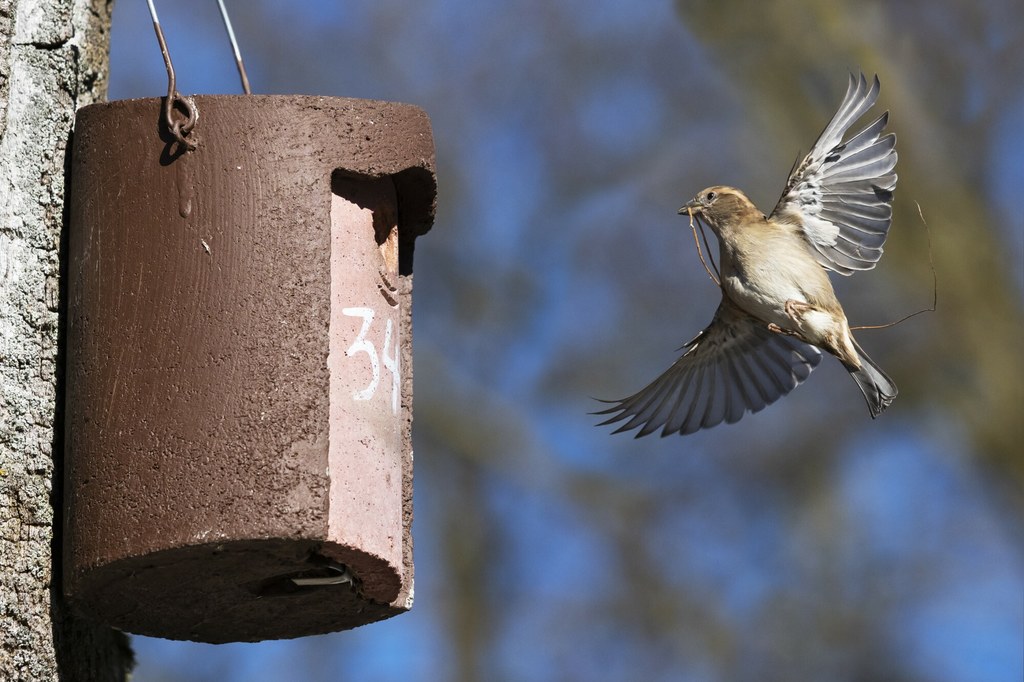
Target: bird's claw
[772,327]
[796,309]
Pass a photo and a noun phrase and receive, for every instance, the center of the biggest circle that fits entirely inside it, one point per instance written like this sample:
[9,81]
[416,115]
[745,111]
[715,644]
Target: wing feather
[757,396]
[840,195]
[734,366]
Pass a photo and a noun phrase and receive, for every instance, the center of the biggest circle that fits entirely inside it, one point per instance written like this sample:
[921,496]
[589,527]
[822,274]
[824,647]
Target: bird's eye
[710,196]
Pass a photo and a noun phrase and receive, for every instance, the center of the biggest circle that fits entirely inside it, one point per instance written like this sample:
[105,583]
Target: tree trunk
[53,59]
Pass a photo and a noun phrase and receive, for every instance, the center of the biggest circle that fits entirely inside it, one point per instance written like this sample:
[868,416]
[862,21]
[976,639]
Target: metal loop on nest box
[180,127]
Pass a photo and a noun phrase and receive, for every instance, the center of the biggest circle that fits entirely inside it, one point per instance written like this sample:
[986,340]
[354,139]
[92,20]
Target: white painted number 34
[389,356]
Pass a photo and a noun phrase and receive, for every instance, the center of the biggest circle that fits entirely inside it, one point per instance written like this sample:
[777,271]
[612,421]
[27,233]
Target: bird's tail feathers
[878,389]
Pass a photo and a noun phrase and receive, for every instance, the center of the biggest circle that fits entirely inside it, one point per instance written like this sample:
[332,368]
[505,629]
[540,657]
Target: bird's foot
[796,309]
[772,327]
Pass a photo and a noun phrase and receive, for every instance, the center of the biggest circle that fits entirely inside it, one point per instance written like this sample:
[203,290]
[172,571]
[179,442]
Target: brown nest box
[239,365]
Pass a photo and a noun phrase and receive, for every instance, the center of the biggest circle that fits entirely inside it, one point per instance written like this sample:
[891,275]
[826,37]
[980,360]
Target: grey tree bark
[53,59]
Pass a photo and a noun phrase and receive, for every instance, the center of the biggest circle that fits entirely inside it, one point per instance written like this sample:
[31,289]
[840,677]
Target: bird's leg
[772,327]
[796,309]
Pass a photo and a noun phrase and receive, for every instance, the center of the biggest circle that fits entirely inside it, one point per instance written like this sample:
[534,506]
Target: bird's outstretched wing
[734,366]
[841,193]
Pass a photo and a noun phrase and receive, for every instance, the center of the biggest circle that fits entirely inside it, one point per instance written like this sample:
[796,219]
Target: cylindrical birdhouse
[239,365]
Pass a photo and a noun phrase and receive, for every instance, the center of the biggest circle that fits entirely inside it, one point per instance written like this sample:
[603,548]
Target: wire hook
[179,128]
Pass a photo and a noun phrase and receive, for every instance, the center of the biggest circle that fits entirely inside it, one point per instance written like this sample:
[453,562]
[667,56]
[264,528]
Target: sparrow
[778,309]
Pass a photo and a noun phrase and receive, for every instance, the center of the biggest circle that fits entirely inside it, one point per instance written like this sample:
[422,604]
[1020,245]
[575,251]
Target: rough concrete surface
[237,400]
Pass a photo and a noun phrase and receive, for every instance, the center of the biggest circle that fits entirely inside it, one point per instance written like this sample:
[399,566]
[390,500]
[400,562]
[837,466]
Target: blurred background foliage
[806,542]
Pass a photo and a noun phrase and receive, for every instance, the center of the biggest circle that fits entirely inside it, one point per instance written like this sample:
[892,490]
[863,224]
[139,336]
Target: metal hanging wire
[234,47]
[180,126]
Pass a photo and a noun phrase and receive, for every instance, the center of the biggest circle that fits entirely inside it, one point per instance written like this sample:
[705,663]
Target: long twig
[935,283]
[693,228]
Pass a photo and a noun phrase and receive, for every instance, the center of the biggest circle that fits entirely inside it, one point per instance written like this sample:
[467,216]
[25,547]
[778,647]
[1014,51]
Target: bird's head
[722,206]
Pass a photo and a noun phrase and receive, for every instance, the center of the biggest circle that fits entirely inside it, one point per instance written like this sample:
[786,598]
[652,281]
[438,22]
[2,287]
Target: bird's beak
[691,208]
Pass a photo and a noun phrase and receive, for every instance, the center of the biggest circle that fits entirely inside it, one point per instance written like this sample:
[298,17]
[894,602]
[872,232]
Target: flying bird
[778,309]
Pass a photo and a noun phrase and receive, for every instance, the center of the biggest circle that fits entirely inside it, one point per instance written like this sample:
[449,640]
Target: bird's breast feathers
[761,278]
